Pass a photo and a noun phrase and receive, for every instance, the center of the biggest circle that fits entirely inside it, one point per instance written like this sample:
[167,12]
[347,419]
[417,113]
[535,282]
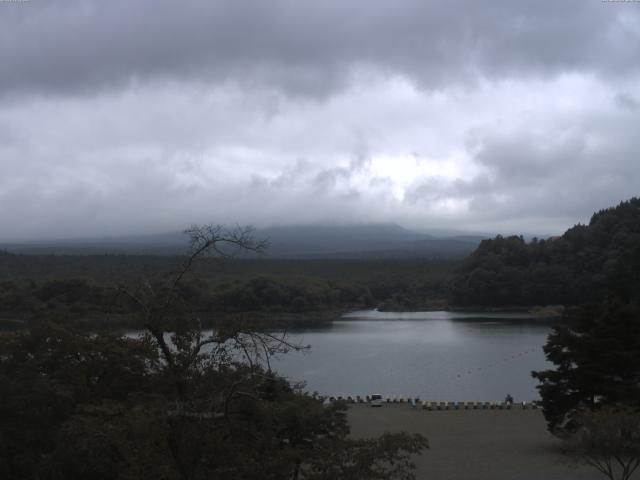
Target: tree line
[268,287]
[582,264]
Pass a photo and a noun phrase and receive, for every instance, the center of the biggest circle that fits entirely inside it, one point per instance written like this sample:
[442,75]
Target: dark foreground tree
[597,359]
[175,403]
[609,440]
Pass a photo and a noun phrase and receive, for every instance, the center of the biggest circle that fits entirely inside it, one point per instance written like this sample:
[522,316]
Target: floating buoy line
[494,364]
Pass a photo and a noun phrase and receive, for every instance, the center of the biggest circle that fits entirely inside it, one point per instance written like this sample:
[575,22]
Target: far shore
[545,312]
[476,444]
[282,319]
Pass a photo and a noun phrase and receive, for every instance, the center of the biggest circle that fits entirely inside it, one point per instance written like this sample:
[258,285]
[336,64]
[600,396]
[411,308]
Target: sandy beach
[476,444]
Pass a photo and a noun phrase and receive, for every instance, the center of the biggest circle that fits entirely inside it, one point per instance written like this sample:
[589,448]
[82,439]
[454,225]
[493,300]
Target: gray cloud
[307,48]
[533,182]
[628,102]
[525,158]
[128,117]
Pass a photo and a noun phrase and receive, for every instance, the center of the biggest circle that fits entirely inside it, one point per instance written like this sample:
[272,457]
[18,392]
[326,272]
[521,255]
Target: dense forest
[302,291]
[577,267]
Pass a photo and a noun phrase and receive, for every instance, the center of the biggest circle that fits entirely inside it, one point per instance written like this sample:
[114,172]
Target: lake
[434,355]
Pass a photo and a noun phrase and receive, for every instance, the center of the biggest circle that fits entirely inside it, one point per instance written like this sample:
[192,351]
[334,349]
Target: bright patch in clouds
[405,170]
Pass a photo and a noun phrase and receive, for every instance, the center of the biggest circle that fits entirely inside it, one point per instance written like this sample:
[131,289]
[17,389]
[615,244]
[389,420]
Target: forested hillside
[87,287]
[580,266]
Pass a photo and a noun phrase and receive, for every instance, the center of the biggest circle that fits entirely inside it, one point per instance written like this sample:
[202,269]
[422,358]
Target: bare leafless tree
[609,440]
[182,342]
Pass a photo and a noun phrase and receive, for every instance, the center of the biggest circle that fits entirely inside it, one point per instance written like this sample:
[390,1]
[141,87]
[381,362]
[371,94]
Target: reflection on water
[436,315]
[435,355]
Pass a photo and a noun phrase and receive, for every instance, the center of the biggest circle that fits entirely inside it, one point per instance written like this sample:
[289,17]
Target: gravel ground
[476,444]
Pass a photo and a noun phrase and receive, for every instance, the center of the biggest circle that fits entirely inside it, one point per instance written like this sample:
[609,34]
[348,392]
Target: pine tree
[597,359]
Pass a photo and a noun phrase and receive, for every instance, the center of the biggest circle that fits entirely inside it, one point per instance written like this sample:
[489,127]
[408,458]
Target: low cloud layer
[120,117]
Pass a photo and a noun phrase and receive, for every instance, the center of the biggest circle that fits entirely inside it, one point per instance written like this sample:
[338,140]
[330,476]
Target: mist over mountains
[387,240]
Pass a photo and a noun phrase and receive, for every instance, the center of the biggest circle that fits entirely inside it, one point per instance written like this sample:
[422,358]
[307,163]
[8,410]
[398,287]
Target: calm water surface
[434,355]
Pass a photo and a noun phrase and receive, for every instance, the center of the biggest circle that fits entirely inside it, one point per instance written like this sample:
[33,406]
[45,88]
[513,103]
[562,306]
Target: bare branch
[204,239]
[133,297]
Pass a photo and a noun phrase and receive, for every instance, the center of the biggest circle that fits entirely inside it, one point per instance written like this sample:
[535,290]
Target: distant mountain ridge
[387,240]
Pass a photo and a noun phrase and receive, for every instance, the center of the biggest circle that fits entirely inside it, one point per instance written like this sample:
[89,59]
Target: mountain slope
[580,266]
[313,241]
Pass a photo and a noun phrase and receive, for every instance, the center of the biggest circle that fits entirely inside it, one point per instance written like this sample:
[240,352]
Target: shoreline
[287,320]
[542,312]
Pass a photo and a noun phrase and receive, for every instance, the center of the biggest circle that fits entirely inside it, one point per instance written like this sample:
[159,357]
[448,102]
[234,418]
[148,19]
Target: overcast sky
[125,116]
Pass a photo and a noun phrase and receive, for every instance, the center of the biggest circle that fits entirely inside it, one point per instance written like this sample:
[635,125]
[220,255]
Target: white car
[376,400]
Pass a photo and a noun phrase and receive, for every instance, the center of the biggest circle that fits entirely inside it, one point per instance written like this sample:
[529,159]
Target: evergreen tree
[597,358]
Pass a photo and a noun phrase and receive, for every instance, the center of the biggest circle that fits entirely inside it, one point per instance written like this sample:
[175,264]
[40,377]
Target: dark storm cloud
[305,48]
